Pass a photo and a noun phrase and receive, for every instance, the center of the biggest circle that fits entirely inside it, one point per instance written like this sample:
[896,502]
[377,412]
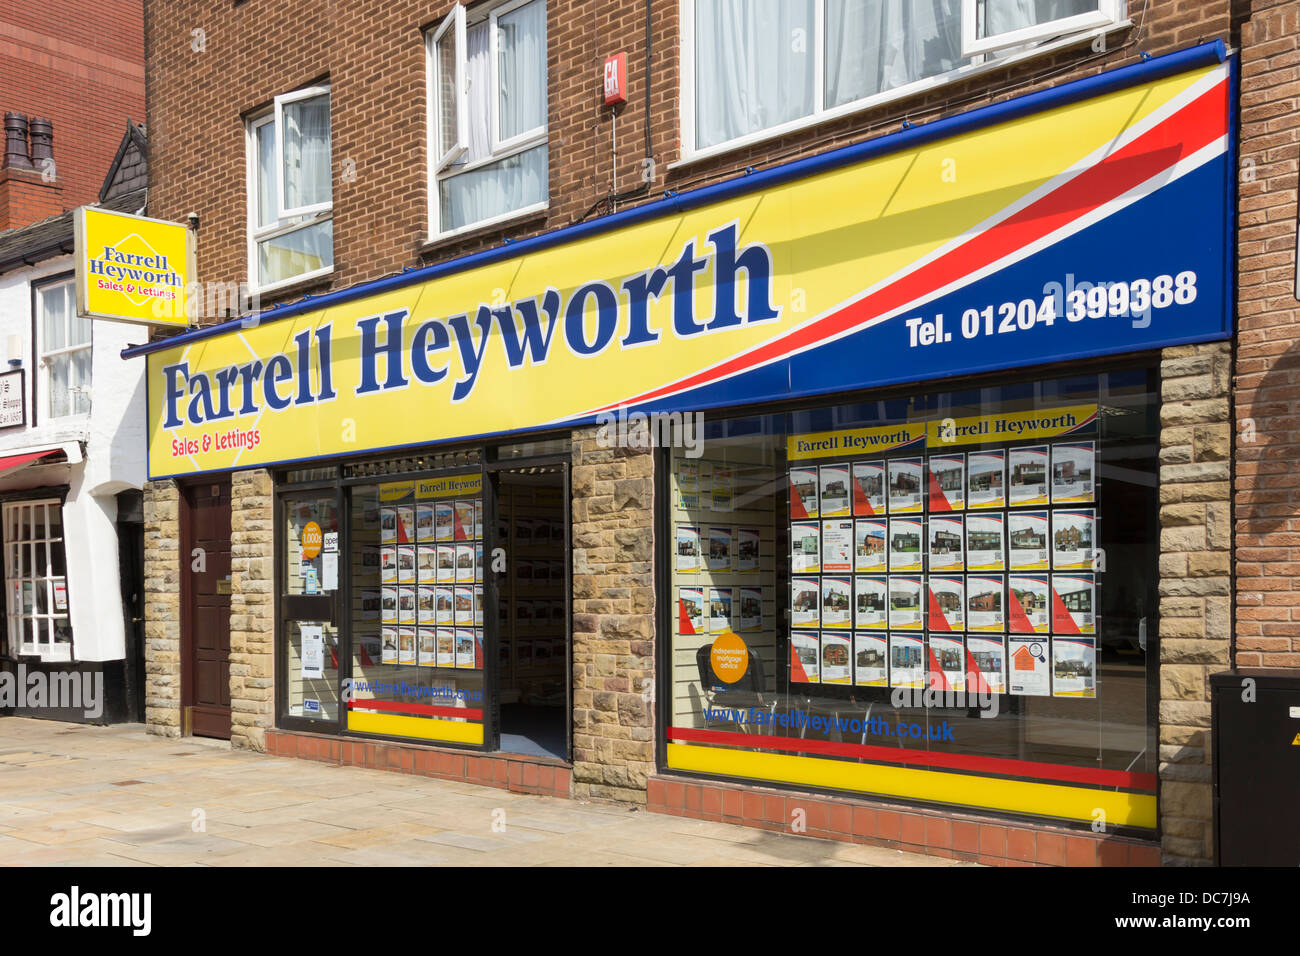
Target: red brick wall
[26,198]
[374,57]
[1267,488]
[79,63]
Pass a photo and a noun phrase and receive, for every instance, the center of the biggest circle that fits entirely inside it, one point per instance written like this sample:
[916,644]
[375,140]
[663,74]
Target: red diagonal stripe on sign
[1190,128]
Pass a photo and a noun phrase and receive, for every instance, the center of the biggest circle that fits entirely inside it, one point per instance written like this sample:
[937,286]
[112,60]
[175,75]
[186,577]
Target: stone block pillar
[1195,585]
[252,609]
[613,619]
[162,609]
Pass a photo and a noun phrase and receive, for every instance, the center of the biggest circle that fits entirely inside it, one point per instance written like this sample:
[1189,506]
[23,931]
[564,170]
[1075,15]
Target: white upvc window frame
[281,101]
[18,622]
[1054,39]
[442,155]
[440,172]
[1106,14]
[257,233]
[43,355]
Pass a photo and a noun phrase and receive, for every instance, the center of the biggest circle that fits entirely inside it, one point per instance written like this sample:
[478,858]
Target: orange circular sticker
[729,657]
[311,540]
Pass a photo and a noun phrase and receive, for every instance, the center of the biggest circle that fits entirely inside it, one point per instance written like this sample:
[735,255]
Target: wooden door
[205,567]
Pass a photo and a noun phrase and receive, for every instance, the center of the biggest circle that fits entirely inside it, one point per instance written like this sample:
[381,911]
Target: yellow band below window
[990,793]
[399,725]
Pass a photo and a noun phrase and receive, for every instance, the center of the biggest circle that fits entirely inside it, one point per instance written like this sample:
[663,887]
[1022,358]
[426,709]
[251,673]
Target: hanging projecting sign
[13,405]
[132,268]
[1090,219]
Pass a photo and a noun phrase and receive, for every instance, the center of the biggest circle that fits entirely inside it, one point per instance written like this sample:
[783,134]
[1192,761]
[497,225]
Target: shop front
[850,480]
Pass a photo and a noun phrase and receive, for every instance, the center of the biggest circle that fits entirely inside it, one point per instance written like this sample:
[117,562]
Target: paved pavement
[75,795]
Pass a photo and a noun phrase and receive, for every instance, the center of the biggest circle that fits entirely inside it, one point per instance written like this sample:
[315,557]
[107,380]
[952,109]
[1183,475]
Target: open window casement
[302,152]
[517,57]
[991,25]
[450,89]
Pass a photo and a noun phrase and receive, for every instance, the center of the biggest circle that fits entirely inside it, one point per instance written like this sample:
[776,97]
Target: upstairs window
[64,364]
[989,25]
[291,229]
[487,122]
[758,67]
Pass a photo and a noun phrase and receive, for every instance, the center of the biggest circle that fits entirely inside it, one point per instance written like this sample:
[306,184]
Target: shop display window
[416,608]
[885,596]
[311,554]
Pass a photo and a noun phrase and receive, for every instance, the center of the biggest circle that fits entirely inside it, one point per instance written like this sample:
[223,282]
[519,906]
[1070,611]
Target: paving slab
[78,795]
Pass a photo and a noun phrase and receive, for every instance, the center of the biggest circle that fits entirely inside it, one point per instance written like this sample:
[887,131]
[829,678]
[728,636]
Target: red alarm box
[616,79]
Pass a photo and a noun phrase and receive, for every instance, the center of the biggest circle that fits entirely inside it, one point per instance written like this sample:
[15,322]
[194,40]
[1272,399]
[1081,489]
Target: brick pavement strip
[75,795]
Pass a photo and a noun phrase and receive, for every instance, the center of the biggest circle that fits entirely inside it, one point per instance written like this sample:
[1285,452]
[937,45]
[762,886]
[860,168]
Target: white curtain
[479,67]
[305,249]
[1003,16]
[754,62]
[266,206]
[521,69]
[878,45]
[520,180]
[307,152]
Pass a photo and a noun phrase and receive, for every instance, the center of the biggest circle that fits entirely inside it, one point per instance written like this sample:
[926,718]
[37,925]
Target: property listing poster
[947,603]
[868,488]
[688,549]
[1027,476]
[1072,472]
[803,493]
[836,612]
[805,602]
[986,488]
[747,550]
[1072,604]
[869,609]
[1029,673]
[1074,661]
[947,550]
[805,546]
[985,609]
[870,660]
[1073,533]
[805,653]
[720,610]
[905,485]
[751,609]
[905,611]
[984,542]
[947,659]
[905,538]
[837,665]
[870,552]
[1028,603]
[719,558]
[837,546]
[722,488]
[947,474]
[986,664]
[1027,541]
[906,660]
[835,496]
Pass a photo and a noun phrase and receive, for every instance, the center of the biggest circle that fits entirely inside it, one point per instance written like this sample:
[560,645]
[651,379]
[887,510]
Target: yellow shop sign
[132,268]
[847,271]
